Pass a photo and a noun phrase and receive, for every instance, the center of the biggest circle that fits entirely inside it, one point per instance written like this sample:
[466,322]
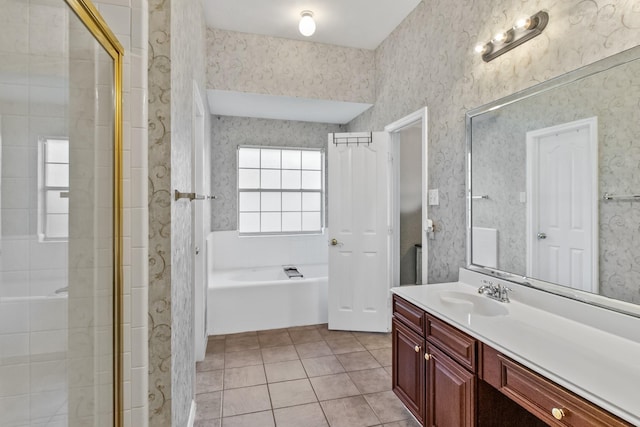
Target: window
[280,190]
[53,204]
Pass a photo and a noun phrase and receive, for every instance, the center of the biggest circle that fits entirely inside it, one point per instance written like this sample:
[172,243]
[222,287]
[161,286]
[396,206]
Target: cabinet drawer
[542,397]
[409,314]
[455,343]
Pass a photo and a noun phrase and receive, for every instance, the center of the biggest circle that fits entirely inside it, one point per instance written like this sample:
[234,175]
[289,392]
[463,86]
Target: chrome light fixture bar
[523,30]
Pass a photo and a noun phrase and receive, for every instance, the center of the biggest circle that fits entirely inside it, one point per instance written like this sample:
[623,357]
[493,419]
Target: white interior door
[359,233]
[199,224]
[562,208]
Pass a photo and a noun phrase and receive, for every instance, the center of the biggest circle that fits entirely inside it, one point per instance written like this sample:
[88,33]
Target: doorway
[408,205]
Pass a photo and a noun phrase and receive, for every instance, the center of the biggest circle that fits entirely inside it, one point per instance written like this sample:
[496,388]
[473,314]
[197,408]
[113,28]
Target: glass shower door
[59,216]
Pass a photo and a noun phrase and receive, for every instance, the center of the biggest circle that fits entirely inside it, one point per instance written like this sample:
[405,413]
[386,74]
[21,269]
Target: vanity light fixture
[307,25]
[524,29]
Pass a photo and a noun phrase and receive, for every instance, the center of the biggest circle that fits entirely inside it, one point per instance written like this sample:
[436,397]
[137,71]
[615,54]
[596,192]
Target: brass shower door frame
[91,18]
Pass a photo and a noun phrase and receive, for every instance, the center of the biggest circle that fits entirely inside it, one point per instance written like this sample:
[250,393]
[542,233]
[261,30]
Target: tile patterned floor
[298,377]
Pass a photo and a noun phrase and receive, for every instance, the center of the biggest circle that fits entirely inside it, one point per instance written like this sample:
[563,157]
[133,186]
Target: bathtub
[253,299]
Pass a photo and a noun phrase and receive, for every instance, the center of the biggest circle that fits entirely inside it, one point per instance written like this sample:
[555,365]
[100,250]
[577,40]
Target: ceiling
[352,23]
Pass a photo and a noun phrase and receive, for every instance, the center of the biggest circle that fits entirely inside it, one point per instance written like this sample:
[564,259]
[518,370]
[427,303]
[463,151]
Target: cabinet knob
[417,349]
[557,413]
[427,356]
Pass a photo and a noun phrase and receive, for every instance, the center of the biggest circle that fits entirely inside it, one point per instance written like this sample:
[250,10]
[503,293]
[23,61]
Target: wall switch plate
[434,198]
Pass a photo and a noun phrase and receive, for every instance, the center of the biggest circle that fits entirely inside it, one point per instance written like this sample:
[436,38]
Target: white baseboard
[192,414]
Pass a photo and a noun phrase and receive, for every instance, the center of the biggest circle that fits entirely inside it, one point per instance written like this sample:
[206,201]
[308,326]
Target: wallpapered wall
[440,70]
[229,132]
[177,48]
[275,66]
[499,170]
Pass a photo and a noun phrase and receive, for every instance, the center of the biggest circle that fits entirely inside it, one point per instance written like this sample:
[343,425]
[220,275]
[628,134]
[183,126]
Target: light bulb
[307,25]
[523,24]
[500,37]
[481,48]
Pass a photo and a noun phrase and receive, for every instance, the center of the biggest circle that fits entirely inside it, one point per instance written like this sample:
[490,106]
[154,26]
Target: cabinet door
[451,392]
[409,368]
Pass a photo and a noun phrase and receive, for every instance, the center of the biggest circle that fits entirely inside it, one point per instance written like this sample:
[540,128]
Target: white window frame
[281,190]
[43,187]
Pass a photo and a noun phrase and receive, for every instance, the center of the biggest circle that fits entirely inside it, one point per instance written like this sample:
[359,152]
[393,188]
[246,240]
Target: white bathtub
[254,299]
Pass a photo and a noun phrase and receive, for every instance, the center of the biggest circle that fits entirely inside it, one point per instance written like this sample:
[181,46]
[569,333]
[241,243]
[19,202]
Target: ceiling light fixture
[307,25]
[523,30]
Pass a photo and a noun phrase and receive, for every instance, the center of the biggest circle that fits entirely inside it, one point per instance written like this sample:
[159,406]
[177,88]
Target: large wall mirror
[553,185]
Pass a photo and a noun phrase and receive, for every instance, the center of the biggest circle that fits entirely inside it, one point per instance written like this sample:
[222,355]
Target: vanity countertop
[595,363]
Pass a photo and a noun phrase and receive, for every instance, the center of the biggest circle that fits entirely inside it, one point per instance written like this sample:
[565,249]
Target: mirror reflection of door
[410,162]
[562,214]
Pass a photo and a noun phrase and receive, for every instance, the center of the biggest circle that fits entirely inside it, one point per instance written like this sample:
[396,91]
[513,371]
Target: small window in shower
[280,190]
[53,179]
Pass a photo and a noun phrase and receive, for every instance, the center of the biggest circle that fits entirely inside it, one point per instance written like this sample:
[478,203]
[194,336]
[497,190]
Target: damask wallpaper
[428,60]
[229,132]
[274,66]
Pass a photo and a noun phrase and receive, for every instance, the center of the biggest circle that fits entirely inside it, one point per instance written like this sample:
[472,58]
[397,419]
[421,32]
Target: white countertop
[594,362]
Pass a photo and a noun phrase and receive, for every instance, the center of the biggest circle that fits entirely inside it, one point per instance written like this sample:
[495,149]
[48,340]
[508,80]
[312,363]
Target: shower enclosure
[60,201]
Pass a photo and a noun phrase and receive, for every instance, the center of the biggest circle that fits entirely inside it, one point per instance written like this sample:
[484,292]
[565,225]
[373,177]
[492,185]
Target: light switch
[434,198]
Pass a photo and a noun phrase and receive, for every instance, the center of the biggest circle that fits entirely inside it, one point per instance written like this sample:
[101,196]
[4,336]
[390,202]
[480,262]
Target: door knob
[334,242]
[557,413]
[542,236]
[417,349]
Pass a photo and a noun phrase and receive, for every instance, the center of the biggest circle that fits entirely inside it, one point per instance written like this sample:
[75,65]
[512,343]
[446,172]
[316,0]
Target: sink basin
[479,305]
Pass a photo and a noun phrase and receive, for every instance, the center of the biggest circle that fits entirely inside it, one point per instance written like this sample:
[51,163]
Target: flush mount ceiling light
[307,25]
[523,30]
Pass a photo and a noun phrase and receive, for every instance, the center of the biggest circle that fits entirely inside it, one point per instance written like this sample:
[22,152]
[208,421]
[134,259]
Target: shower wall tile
[277,66]
[441,71]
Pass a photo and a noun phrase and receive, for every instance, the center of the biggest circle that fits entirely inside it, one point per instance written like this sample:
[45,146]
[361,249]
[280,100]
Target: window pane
[291,221]
[291,159]
[312,160]
[311,221]
[248,157]
[57,204]
[57,175]
[249,178]
[291,202]
[270,179]
[291,179]
[270,159]
[249,202]
[57,151]
[271,222]
[249,223]
[311,202]
[311,180]
[57,226]
[271,202]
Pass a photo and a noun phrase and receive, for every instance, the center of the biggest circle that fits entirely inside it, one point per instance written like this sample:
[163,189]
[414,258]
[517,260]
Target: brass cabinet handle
[557,413]
[417,349]
[427,356]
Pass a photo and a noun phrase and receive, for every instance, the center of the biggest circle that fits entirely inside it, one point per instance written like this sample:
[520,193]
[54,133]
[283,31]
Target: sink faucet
[495,291]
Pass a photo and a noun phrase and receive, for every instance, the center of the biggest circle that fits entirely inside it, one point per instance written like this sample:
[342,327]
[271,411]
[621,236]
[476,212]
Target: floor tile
[345,345]
[313,349]
[334,386]
[382,355]
[215,346]
[411,422]
[325,365]
[329,334]
[349,412]
[291,393]
[387,406]
[279,354]
[240,401]
[309,415]
[371,380]
[284,371]
[211,362]
[209,381]
[274,339]
[261,419]
[208,423]
[239,359]
[373,340]
[358,361]
[301,336]
[244,377]
[242,343]
[208,406]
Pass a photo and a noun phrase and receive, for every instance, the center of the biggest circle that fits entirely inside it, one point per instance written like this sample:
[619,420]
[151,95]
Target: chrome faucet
[495,291]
